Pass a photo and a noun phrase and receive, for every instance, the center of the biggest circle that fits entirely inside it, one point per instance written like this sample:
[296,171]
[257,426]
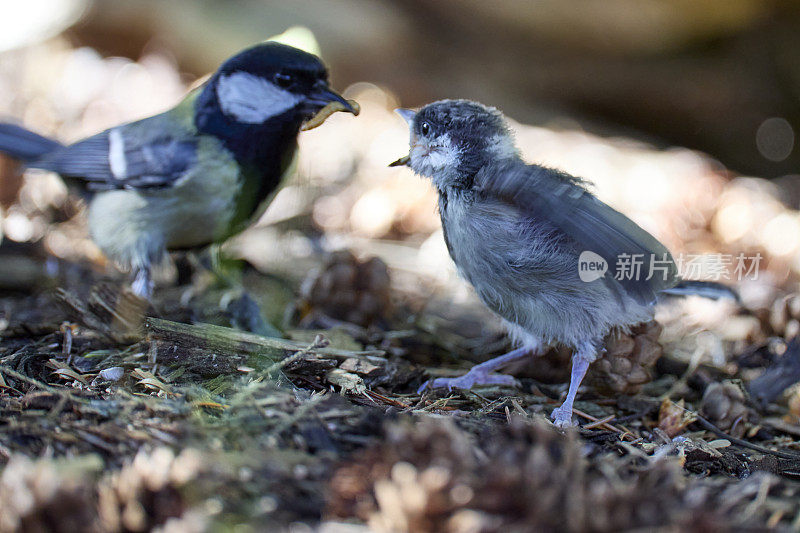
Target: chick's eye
[425,128]
[283,80]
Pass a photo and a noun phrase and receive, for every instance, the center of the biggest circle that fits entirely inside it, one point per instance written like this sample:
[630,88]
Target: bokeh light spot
[775,139]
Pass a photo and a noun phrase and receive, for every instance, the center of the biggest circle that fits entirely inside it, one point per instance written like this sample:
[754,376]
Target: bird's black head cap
[256,101]
[287,66]
[466,122]
[452,139]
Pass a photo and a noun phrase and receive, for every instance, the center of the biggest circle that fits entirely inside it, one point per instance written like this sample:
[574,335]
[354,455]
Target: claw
[469,380]
[423,387]
[481,374]
[562,418]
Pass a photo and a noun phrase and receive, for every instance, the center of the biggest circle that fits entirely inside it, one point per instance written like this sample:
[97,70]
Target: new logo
[591,266]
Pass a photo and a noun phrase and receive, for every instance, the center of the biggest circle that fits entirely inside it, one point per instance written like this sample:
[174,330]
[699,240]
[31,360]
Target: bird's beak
[407,114]
[324,102]
[402,162]
[322,95]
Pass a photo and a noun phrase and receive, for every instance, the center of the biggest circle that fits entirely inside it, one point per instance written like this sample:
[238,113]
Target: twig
[228,340]
[593,419]
[395,403]
[636,416]
[319,342]
[600,422]
[66,347]
[95,441]
[441,403]
[36,383]
[298,414]
[59,406]
[740,442]
[694,364]
[259,383]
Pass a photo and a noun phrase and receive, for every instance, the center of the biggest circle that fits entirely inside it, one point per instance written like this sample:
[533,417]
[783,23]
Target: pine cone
[626,365]
[551,367]
[522,476]
[794,407]
[37,496]
[430,477]
[723,404]
[785,316]
[350,290]
[673,418]
[622,369]
[146,492]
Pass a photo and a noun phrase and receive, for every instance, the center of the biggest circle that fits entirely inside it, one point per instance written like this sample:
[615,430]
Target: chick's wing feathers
[132,156]
[561,200]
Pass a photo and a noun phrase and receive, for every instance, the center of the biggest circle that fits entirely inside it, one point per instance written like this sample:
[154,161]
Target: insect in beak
[350,106]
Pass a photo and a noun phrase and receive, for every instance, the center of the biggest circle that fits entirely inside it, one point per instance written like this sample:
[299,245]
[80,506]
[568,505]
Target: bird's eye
[425,128]
[283,80]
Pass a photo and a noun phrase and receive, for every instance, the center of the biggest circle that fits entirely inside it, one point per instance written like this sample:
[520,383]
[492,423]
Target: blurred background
[705,75]
[683,114]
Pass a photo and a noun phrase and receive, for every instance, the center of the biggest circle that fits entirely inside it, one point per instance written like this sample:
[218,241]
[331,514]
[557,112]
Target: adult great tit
[198,173]
[519,233]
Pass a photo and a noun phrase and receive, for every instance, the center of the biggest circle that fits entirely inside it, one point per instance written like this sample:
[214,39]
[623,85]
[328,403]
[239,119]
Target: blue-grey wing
[562,201]
[115,159]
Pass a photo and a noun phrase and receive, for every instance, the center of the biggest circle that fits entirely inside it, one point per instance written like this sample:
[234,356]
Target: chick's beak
[322,95]
[405,161]
[402,162]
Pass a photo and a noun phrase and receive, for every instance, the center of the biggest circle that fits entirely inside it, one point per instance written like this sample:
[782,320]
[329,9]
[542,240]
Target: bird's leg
[245,314]
[226,271]
[586,353]
[142,284]
[482,374]
[243,311]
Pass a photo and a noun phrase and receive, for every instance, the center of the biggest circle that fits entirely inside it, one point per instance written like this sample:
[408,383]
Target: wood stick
[228,340]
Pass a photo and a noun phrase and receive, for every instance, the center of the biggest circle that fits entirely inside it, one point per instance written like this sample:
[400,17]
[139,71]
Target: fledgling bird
[198,173]
[517,233]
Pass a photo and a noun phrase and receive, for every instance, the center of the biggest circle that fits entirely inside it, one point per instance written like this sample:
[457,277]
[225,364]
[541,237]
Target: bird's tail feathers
[705,289]
[24,144]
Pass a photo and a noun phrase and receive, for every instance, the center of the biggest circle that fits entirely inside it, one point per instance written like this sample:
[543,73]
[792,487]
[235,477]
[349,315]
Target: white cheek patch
[439,156]
[251,99]
[443,157]
[116,154]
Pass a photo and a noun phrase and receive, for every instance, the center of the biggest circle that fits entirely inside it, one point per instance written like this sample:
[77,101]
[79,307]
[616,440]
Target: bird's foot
[245,314]
[562,417]
[482,374]
[476,376]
